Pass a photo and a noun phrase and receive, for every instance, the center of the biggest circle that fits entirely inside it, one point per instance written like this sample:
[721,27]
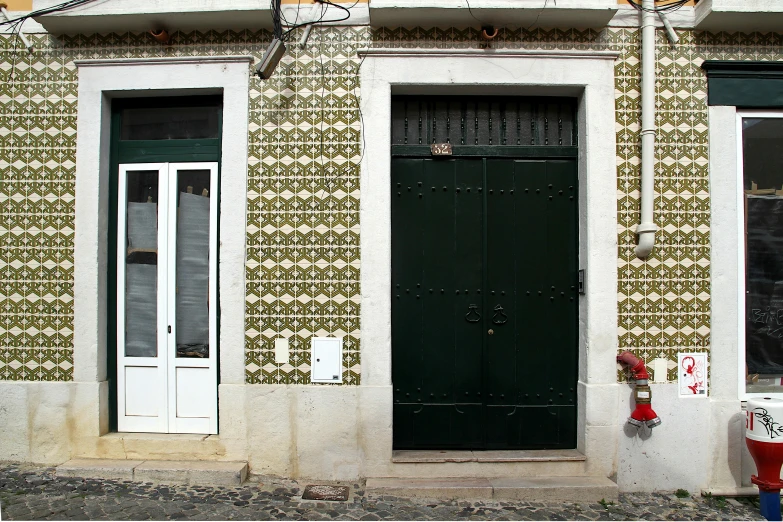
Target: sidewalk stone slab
[430,488]
[50,496]
[573,489]
[191,472]
[98,468]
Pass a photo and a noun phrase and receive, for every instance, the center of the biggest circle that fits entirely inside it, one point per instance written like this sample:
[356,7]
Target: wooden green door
[484,303]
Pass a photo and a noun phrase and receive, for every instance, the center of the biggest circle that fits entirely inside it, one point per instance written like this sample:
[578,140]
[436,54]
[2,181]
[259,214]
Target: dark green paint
[489,232]
[744,84]
[480,151]
[146,151]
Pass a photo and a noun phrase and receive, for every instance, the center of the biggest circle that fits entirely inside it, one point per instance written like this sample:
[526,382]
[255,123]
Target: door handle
[500,316]
[473,309]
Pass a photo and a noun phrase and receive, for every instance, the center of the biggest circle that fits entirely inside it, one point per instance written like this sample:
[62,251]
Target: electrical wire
[479,20]
[64,6]
[538,16]
[286,36]
[666,8]
[296,20]
[277,26]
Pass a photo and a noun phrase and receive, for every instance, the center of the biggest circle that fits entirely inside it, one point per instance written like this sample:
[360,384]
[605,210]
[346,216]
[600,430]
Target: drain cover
[321,492]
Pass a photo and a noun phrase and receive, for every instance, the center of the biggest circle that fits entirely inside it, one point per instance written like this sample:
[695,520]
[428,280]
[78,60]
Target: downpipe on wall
[643,414]
[646,228]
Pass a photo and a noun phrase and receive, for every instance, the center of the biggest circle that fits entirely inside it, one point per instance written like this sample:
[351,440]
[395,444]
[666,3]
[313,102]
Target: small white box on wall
[326,360]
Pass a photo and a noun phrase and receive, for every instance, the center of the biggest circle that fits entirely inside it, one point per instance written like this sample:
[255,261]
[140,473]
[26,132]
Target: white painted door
[166,297]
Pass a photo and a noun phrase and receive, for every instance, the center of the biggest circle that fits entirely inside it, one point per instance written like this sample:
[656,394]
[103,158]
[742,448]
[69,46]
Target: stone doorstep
[168,471]
[573,489]
[440,456]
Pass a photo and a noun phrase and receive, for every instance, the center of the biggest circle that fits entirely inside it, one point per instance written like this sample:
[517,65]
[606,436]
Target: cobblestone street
[34,493]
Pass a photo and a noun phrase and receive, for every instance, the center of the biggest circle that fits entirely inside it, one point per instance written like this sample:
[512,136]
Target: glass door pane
[762,140]
[141,264]
[192,263]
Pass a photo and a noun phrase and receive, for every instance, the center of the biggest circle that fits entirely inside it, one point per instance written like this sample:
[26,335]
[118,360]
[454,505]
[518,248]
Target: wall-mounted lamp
[271,58]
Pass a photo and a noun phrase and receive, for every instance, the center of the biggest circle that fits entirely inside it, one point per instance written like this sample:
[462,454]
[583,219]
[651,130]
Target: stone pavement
[35,493]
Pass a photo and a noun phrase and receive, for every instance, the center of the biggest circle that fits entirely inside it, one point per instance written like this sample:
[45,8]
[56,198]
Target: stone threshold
[190,472]
[440,456]
[540,489]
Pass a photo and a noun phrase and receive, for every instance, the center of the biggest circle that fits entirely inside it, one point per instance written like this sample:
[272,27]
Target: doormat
[321,492]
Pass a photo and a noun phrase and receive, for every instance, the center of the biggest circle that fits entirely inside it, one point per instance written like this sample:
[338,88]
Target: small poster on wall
[692,374]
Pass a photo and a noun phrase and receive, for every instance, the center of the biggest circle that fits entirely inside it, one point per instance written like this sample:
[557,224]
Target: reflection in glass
[141,260]
[763,184]
[192,263]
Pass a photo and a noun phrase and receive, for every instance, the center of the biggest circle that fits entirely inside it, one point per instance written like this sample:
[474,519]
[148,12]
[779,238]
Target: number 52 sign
[440,149]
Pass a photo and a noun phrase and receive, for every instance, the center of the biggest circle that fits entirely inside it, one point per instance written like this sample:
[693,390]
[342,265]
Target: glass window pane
[141,265]
[763,184]
[169,123]
[192,263]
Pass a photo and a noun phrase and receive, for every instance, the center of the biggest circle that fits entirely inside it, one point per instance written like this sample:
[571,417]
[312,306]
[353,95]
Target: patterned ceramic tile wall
[303,193]
[303,190]
[37,154]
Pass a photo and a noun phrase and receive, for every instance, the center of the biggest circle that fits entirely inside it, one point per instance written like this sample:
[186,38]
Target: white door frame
[100,81]
[587,75]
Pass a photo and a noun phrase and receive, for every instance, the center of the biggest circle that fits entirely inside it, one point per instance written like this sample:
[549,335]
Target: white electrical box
[281,350]
[326,360]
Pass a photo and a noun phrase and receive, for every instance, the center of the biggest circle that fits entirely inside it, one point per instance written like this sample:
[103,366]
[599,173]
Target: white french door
[167,298]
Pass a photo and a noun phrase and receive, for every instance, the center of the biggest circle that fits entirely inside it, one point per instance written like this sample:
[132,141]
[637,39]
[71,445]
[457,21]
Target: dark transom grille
[484,120]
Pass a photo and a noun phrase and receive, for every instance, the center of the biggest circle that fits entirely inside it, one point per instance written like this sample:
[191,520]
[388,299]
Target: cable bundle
[277,17]
[16,23]
[665,8]
[277,14]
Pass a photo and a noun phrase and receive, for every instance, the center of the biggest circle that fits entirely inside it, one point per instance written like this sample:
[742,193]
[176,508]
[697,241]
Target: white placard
[692,374]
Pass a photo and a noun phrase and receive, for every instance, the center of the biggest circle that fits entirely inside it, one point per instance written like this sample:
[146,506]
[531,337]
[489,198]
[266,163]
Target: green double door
[484,303]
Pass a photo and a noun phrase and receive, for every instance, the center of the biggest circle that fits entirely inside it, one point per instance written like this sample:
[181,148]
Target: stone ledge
[438,456]
[115,469]
[167,471]
[573,489]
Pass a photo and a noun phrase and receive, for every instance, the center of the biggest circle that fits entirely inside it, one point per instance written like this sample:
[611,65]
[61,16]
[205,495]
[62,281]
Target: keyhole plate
[491,331]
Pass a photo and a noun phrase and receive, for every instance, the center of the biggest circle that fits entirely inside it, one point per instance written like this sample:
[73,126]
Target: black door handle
[500,316]
[473,309]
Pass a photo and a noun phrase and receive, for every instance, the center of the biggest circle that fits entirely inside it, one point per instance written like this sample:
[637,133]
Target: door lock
[491,331]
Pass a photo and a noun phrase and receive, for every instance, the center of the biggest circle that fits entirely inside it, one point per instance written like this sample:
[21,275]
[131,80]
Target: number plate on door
[441,149]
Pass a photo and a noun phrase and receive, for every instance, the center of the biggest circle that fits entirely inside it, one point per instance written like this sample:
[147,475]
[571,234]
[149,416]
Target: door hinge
[581,285]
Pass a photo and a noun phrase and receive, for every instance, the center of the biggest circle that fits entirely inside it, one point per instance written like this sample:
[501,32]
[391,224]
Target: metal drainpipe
[646,229]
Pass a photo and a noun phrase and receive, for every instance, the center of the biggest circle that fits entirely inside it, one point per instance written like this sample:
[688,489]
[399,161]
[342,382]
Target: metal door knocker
[499,319]
[473,309]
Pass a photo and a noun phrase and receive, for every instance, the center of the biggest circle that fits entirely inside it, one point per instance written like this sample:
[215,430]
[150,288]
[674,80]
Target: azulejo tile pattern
[303,188]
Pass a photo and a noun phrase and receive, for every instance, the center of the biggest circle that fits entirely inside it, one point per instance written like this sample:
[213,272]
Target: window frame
[742,114]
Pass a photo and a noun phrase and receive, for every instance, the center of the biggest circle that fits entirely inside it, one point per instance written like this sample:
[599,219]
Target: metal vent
[484,121]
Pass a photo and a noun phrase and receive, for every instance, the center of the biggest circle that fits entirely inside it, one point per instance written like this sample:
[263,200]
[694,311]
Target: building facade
[201,264]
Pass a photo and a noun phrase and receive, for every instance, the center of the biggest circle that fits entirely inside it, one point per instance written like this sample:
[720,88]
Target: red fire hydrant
[764,437]
[643,414]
